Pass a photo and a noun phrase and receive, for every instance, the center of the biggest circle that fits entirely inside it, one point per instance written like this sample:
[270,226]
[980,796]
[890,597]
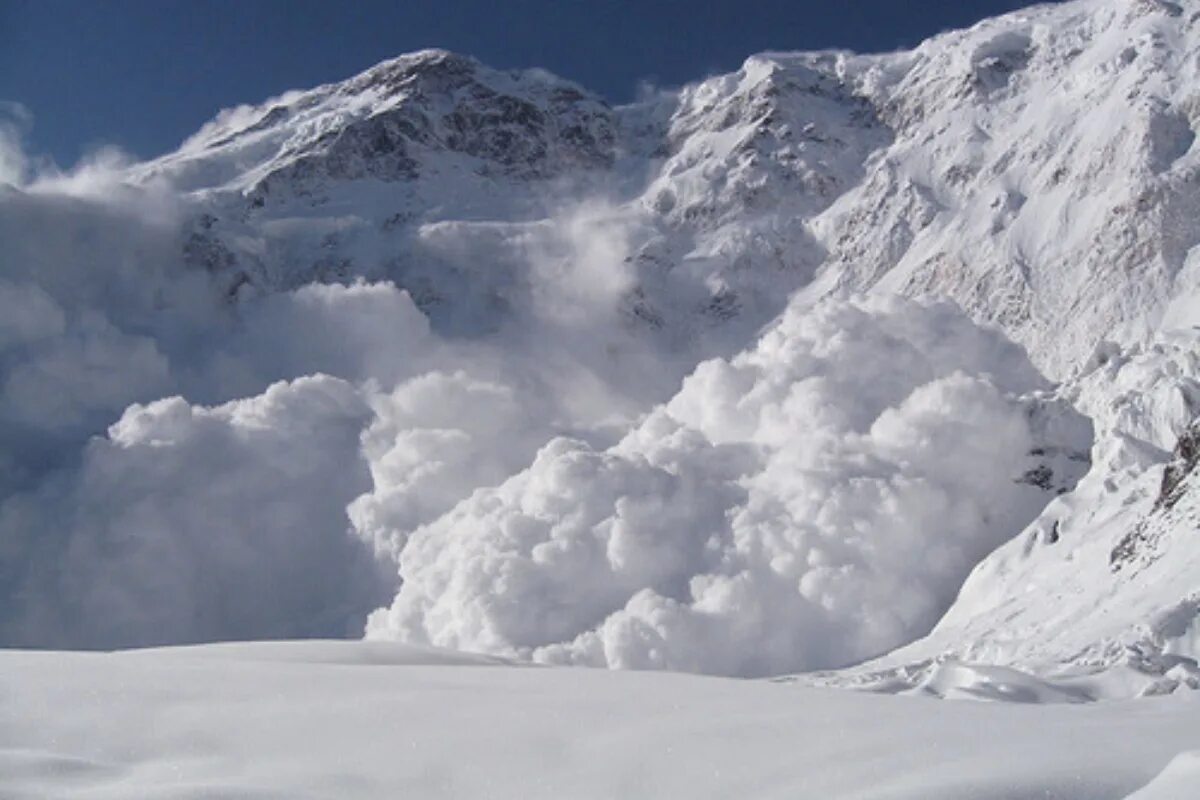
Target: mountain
[634,385]
[983,166]
[423,164]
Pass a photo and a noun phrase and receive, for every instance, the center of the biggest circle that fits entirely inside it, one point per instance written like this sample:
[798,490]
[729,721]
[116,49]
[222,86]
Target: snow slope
[1100,596]
[1043,174]
[341,719]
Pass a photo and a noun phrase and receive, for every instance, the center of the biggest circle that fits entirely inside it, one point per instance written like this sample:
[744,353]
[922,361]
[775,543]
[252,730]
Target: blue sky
[143,74]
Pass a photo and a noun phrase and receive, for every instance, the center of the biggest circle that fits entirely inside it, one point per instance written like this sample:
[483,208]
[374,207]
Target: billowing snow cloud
[434,439]
[814,501]
[190,524]
[305,433]
[14,120]
[319,451]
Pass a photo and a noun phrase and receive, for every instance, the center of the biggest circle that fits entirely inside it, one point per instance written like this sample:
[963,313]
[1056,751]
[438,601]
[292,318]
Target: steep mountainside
[1043,175]
[1100,596]
[441,174]
[1037,168]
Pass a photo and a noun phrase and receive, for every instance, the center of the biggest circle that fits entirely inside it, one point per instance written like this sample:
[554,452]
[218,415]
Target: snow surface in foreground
[355,719]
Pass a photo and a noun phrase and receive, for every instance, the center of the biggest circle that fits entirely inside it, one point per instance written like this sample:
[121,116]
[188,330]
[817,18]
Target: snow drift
[310,720]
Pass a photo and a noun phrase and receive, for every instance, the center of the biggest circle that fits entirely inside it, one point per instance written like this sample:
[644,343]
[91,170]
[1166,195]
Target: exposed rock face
[1143,541]
[383,124]
[1187,455]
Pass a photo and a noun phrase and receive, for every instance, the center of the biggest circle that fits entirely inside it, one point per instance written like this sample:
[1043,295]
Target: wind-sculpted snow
[809,503]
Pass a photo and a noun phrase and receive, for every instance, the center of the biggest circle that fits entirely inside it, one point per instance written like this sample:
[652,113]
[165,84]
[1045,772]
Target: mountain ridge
[770,149]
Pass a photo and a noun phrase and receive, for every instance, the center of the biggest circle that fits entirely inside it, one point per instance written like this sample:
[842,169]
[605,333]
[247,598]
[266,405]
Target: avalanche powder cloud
[302,435]
[812,502]
[180,465]
[190,524]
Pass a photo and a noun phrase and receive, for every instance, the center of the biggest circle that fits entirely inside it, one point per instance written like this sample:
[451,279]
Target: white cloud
[15,121]
[94,366]
[189,523]
[814,501]
[27,314]
[435,439]
[215,517]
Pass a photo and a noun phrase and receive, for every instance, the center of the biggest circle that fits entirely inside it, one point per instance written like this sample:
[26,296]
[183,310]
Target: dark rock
[1187,455]
[1040,476]
[1144,537]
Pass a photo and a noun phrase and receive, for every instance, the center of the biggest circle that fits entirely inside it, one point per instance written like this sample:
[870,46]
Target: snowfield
[874,372]
[365,720]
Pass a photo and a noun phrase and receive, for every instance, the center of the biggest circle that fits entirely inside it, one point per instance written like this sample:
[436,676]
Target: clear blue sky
[143,74]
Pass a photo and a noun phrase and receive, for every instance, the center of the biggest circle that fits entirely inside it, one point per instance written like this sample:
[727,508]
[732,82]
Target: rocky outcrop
[1187,456]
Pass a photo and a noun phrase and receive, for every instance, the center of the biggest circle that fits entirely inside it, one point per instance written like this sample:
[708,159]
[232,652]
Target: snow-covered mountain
[633,386]
[426,164]
[1037,168]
